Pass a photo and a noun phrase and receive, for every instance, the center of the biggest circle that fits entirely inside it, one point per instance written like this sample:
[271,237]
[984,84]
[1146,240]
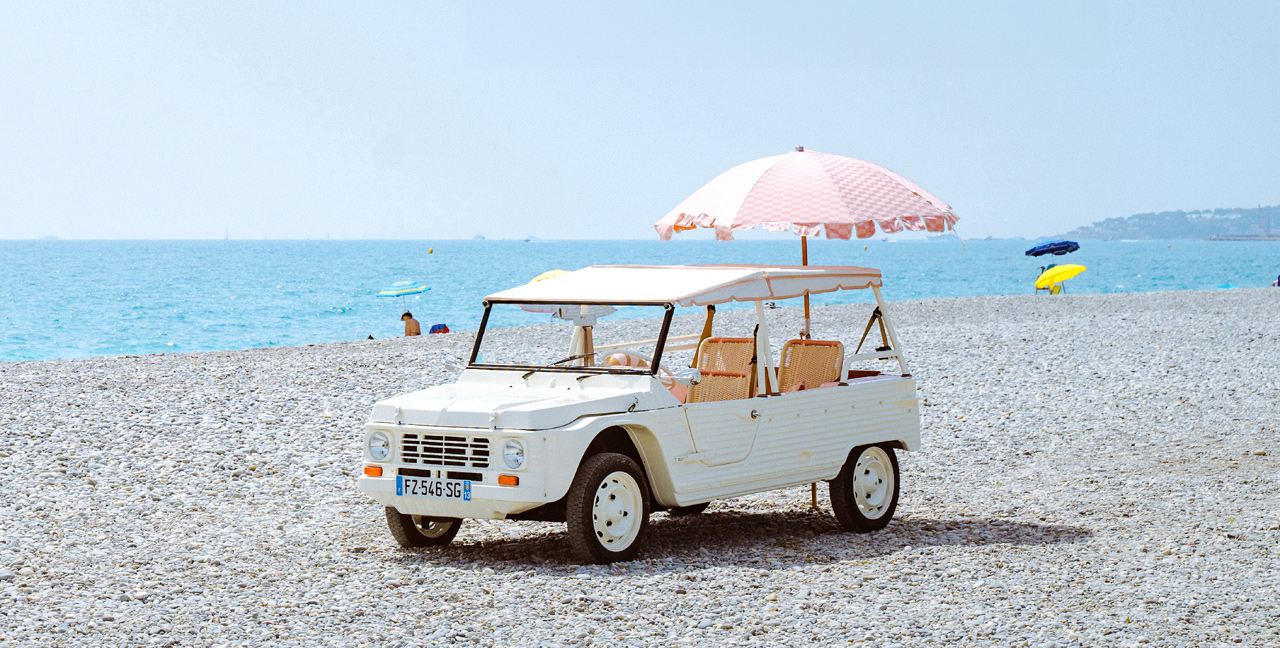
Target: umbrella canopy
[564,312]
[402,288]
[1058,274]
[809,193]
[548,274]
[1058,247]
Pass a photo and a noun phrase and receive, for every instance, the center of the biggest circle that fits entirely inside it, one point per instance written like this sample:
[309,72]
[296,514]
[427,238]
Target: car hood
[502,406]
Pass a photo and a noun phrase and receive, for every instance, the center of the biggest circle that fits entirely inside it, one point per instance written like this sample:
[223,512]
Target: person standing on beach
[411,326]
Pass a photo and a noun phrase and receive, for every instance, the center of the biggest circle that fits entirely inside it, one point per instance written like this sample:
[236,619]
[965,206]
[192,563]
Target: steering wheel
[668,380]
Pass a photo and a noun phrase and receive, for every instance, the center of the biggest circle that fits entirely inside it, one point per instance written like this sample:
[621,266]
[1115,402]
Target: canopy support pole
[588,343]
[575,342]
[764,359]
[804,261]
[893,337]
[706,326]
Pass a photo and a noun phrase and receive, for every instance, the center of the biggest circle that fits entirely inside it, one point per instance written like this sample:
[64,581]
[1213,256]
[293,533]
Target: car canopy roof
[699,285]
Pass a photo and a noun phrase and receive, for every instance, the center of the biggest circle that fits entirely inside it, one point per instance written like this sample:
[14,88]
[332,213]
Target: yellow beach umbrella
[1058,274]
[549,274]
[563,312]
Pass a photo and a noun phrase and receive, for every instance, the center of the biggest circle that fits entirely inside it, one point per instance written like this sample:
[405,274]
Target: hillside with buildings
[1233,222]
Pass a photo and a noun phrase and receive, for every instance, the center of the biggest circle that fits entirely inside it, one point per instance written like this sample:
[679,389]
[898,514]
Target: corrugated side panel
[806,436]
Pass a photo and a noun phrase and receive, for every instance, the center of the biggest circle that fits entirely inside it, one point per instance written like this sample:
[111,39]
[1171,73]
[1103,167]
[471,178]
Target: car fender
[657,435]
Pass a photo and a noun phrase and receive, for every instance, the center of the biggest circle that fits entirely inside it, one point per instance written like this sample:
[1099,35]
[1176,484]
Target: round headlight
[513,454]
[379,446]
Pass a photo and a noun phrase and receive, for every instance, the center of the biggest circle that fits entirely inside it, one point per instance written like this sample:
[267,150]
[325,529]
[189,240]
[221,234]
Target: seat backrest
[725,364]
[809,362]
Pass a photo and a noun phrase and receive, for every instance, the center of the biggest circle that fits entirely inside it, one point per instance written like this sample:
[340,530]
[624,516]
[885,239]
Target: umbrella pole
[804,260]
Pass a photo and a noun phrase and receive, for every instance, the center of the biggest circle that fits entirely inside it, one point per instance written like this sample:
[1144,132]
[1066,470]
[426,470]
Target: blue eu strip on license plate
[435,488]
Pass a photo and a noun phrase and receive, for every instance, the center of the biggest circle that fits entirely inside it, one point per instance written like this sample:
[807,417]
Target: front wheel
[607,511]
[865,493]
[413,531]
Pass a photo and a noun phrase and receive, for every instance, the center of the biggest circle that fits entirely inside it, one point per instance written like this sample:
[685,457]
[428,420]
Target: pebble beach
[1095,470]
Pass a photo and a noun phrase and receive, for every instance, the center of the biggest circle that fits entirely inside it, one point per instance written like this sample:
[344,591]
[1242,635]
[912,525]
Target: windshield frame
[668,308]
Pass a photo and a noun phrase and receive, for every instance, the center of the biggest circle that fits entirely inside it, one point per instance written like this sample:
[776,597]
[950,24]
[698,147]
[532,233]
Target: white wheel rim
[430,527]
[873,482]
[615,511]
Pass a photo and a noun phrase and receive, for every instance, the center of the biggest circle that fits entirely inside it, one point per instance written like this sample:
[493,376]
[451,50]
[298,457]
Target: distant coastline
[1232,224]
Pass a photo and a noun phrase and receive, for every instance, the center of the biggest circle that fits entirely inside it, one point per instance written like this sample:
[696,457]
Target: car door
[806,432]
[723,431]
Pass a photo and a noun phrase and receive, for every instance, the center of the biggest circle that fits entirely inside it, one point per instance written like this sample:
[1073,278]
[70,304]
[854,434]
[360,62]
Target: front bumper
[551,460]
[488,499]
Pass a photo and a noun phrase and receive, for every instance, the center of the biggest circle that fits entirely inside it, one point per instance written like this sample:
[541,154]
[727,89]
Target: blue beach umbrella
[1058,247]
[403,289]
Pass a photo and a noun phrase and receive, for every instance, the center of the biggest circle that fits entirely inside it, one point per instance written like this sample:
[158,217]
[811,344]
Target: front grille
[451,474]
[443,450]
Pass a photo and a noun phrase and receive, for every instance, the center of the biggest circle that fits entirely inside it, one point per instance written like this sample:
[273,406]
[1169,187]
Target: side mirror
[454,363]
[687,376]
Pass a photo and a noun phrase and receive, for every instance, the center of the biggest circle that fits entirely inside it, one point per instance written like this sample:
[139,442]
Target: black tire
[692,509]
[588,515]
[874,509]
[413,531]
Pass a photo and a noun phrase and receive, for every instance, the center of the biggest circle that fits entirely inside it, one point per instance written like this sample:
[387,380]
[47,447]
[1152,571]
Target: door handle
[755,414]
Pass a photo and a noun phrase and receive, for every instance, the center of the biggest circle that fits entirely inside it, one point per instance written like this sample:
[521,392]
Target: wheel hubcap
[615,512]
[873,482]
[431,527]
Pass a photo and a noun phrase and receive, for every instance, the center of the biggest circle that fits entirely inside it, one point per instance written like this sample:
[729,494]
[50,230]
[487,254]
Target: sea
[72,299]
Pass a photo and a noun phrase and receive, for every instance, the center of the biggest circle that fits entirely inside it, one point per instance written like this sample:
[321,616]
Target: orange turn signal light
[508,480]
[373,471]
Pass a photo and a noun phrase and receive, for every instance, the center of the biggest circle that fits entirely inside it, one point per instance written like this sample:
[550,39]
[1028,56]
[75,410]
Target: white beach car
[602,432]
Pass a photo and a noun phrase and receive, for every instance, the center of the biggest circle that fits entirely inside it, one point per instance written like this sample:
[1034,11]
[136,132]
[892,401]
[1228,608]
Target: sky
[416,120]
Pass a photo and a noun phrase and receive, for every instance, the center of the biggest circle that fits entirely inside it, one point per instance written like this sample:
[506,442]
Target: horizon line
[532,239]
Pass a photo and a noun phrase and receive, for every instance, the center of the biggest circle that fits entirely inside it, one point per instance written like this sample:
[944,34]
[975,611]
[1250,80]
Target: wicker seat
[725,364]
[806,364]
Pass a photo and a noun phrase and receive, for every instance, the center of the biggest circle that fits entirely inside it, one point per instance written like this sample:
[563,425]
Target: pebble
[1105,465]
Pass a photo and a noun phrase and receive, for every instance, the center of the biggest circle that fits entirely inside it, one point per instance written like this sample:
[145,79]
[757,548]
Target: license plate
[437,488]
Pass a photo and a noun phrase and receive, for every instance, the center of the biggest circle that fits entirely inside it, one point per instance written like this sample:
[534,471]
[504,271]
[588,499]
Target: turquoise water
[66,299]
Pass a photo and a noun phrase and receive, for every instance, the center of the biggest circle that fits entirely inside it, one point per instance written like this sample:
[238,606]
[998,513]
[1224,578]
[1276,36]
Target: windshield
[573,337]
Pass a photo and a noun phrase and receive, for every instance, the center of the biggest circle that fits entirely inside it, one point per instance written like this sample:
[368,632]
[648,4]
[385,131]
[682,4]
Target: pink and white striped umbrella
[809,193]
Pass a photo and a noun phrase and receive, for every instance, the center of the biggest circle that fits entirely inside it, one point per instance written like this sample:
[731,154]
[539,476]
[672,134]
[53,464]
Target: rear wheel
[607,511]
[419,530]
[865,493]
